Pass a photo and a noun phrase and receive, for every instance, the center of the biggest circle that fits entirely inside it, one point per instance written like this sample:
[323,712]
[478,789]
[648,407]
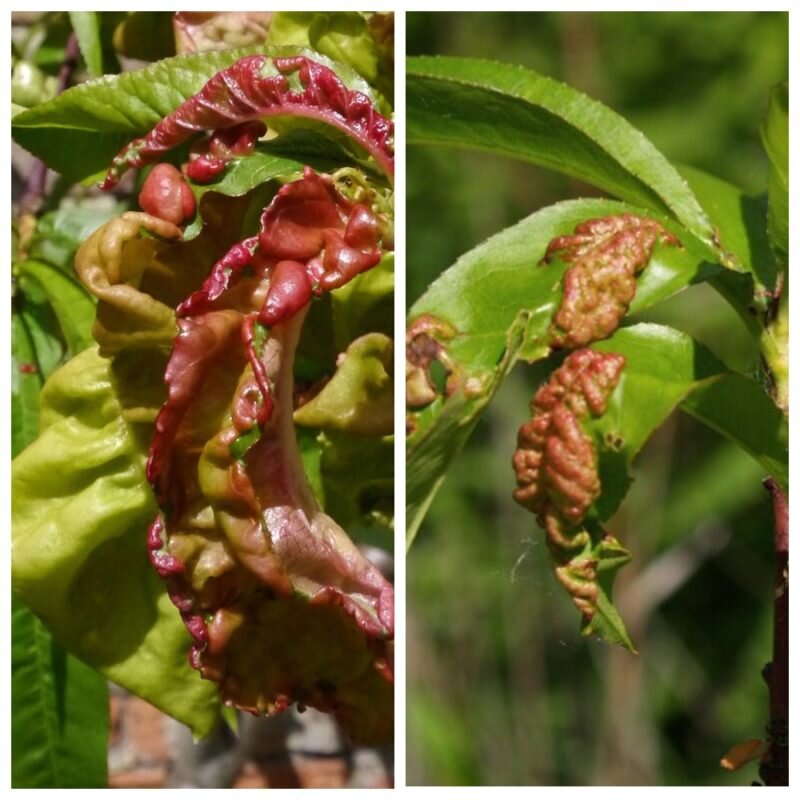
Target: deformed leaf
[255,88]
[663,369]
[498,305]
[87,576]
[346,37]
[359,398]
[80,131]
[265,581]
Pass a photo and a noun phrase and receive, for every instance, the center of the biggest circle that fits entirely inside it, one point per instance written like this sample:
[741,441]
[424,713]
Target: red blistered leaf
[606,254]
[280,604]
[246,92]
[166,195]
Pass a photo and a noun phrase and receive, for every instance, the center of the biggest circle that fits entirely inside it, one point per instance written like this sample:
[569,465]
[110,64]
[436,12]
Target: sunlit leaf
[516,112]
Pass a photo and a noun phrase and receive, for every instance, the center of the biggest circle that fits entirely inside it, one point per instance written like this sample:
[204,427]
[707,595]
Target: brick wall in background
[291,750]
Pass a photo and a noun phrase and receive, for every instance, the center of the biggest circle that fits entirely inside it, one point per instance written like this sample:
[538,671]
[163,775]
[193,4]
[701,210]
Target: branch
[774,769]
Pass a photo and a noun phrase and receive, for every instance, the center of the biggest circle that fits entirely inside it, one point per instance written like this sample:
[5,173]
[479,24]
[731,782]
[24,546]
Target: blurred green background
[501,688]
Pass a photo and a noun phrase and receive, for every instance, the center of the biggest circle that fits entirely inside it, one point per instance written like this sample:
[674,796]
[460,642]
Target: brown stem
[31,199]
[774,769]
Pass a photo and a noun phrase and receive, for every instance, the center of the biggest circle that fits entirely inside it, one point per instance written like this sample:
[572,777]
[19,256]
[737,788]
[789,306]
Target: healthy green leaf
[88,577]
[357,481]
[739,224]
[365,304]
[740,409]
[26,381]
[59,722]
[516,112]
[666,368]
[71,303]
[43,329]
[775,131]
[500,304]
[775,134]
[58,234]
[86,25]
[81,130]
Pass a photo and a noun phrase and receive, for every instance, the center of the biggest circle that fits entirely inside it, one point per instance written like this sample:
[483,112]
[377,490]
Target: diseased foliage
[220,310]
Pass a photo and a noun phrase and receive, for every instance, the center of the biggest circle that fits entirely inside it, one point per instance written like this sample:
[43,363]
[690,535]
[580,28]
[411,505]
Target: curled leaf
[557,469]
[112,263]
[359,397]
[265,582]
[256,87]
[274,602]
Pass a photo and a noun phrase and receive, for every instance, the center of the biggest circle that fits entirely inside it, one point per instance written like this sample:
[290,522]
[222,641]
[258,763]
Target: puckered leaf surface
[80,506]
[80,131]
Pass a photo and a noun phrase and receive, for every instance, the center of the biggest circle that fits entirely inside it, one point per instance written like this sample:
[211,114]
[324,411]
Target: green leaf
[240,177]
[59,720]
[500,304]
[58,234]
[71,303]
[739,224]
[86,25]
[364,304]
[88,577]
[740,409]
[775,131]
[359,398]
[516,112]
[344,36]
[666,369]
[59,723]
[81,130]
[277,161]
[357,474]
[775,135]
[43,329]
[26,382]
[607,623]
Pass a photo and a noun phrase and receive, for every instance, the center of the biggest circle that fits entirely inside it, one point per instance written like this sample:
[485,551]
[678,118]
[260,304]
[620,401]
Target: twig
[774,769]
[31,199]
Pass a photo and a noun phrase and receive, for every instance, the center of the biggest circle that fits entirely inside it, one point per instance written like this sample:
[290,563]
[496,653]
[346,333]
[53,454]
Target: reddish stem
[774,769]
